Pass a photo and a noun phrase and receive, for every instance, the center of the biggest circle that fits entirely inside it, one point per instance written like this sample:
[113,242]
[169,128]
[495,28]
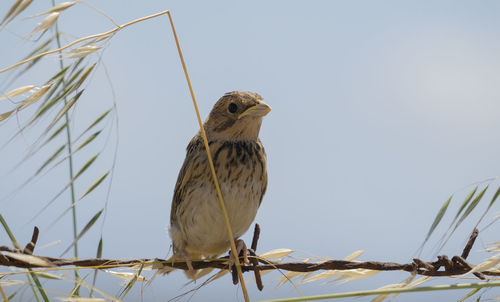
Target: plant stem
[390,291]
[212,169]
[70,159]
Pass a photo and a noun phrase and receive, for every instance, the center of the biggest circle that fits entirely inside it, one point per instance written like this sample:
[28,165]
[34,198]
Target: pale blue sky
[381,110]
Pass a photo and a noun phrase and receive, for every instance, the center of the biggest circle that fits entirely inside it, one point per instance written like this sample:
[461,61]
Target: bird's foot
[241,248]
[181,255]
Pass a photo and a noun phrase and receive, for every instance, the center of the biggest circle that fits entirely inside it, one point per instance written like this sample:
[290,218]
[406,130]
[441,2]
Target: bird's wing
[185,174]
[261,156]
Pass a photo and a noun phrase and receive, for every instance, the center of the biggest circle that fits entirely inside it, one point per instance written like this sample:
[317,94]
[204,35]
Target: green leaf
[94,185]
[468,198]
[464,204]
[84,76]
[56,81]
[35,149]
[42,48]
[49,104]
[68,88]
[98,256]
[39,286]
[438,218]
[131,283]
[58,130]
[494,198]
[76,64]
[85,166]
[87,141]
[471,207]
[80,172]
[45,46]
[90,189]
[85,230]
[51,158]
[76,289]
[50,93]
[9,298]
[32,287]
[99,249]
[48,276]
[64,110]
[97,120]
[39,49]
[59,74]
[74,74]
[9,233]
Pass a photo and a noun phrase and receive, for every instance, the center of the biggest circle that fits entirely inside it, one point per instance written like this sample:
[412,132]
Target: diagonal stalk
[211,164]
[70,158]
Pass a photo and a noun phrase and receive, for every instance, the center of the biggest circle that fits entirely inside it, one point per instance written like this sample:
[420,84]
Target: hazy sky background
[381,111]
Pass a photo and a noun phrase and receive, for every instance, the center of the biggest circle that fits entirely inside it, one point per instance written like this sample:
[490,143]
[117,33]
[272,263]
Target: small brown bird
[197,226]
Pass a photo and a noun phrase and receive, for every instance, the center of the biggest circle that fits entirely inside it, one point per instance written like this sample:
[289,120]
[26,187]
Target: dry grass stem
[108,33]
[210,161]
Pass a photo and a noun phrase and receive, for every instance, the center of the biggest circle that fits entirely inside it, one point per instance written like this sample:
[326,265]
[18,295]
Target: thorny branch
[443,266]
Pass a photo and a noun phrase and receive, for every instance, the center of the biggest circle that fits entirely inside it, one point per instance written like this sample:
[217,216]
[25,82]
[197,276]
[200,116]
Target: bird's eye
[232,107]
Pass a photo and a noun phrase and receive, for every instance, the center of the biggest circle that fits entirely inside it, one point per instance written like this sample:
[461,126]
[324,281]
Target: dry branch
[443,266]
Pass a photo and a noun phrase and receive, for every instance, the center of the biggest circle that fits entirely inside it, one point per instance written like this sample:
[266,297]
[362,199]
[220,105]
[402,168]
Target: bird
[197,226]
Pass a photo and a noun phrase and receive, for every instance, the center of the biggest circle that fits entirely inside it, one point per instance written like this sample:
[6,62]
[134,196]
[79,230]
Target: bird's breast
[242,176]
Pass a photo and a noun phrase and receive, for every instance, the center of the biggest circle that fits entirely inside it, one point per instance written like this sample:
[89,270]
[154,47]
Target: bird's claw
[181,255]
[240,248]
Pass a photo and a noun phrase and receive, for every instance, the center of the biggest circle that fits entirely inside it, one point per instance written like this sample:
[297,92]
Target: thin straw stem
[70,158]
[212,169]
[109,32]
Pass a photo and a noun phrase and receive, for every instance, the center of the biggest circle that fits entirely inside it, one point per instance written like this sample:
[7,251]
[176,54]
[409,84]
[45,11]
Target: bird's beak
[260,109]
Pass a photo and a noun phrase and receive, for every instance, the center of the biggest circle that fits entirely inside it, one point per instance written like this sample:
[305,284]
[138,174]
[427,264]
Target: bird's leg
[180,254]
[240,247]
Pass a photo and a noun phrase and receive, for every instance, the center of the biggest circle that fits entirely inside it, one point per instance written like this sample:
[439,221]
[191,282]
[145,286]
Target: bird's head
[236,116]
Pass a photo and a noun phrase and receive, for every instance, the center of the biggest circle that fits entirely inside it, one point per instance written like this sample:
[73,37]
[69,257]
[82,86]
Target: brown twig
[461,261]
[253,260]
[457,266]
[255,239]
[470,243]
[30,247]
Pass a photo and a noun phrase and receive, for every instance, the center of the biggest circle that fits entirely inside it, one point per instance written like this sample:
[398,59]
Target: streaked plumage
[197,225]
